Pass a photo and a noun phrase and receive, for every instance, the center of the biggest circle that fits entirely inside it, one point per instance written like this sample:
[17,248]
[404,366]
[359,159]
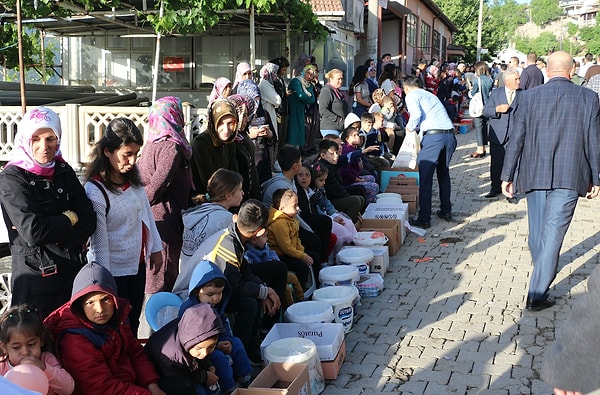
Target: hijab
[241,69]
[217,111]
[217,92]
[303,82]
[166,121]
[34,120]
[269,73]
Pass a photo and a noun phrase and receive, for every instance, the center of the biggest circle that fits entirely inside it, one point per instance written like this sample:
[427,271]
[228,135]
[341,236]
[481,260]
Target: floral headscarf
[243,106]
[269,73]
[249,89]
[241,69]
[166,121]
[217,92]
[34,120]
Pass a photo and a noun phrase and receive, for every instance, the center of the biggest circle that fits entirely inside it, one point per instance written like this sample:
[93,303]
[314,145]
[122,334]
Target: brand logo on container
[310,333]
[345,313]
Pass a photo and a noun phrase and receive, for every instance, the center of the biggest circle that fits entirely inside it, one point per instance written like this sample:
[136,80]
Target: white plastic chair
[162,308]
[310,285]
[5,292]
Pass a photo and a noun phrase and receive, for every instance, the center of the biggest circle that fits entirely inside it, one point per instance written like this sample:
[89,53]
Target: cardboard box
[386,211]
[389,172]
[328,337]
[331,369]
[393,229]
[279,379]
[403,181]
[409,195]
[381,258]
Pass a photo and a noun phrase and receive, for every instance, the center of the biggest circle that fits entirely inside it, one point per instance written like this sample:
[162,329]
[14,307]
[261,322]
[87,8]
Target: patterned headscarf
[243,106]
[34,120]
[249,89]
[241,69]
[166,121]
[217,92]
[269,72]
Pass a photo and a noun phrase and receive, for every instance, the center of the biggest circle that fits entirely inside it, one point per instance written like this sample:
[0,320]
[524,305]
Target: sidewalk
[457,324]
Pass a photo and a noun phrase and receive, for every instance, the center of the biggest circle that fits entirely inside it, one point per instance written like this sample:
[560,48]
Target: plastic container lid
[292,349]
[336,295]
[309,311]
[339,273]
[355,255]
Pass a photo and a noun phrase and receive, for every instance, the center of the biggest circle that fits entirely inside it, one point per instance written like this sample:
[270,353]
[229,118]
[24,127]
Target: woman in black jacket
[333,106]
[47,213]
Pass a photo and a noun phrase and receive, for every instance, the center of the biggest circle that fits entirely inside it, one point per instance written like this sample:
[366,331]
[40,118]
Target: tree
[544,11]
[180,16]
[542,45]
[500,20]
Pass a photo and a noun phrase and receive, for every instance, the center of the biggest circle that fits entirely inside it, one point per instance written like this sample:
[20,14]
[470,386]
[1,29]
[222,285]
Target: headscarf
[269,73]
[241,69]
[305,84]
[249,89]
[300,63]
[166,121]
[217,91]
[244,106]
[216,111]
[34,120]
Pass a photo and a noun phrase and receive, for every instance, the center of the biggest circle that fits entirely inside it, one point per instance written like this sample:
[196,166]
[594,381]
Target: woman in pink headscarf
[47,214]
[164,167]
[221,89]
[243,71]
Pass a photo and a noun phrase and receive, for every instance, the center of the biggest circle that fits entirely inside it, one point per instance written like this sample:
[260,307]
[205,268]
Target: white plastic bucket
[298,350]
[309,312]
[339,275]
[389,198]
[342,299]
[359,257]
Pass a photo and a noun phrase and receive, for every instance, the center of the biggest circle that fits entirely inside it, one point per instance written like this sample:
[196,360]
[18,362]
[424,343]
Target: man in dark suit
[555,143]
[499,111]
[531,76]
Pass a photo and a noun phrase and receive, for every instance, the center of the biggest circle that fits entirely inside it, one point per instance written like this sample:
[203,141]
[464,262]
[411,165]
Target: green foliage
[32,49]
[500,20]
[591,37]
[542,45]
[572,29]
[544,11]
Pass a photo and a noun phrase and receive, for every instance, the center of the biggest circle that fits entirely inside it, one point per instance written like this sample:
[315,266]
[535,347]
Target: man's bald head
[560,64]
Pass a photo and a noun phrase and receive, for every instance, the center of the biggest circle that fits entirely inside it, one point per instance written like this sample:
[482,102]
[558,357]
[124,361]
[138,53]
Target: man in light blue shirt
[427,113]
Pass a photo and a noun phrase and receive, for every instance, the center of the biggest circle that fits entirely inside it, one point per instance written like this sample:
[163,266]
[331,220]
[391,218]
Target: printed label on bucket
[363,268]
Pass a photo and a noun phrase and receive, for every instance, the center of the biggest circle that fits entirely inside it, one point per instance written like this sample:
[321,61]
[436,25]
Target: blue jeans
[549,213]
[226,372]
[434,157]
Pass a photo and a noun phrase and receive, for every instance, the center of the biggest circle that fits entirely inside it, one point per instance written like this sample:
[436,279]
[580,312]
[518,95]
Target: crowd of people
[265,197]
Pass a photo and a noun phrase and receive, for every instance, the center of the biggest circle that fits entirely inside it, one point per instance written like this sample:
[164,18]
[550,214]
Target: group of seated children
[97,352]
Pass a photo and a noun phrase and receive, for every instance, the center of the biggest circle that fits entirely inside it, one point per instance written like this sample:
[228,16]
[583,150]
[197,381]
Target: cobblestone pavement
[456,324]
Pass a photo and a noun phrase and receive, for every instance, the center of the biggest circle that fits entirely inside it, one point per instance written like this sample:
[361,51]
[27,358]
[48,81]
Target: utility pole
[479,26]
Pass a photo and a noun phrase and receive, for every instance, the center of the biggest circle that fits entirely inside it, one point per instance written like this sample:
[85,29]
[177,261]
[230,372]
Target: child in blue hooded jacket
[208,284]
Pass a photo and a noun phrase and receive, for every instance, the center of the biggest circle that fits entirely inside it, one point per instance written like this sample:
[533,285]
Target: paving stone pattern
[457,324]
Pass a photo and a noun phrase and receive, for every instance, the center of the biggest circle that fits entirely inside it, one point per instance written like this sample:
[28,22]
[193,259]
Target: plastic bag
[370,285]
[409,150]
[370,238]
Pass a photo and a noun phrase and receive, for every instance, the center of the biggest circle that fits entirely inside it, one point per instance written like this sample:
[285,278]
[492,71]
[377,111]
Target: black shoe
[492,194]
[512,200]
[541,304]
[418,223]
[445,217]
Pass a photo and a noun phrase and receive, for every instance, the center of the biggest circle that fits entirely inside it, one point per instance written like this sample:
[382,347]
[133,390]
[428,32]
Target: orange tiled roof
[326,6]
